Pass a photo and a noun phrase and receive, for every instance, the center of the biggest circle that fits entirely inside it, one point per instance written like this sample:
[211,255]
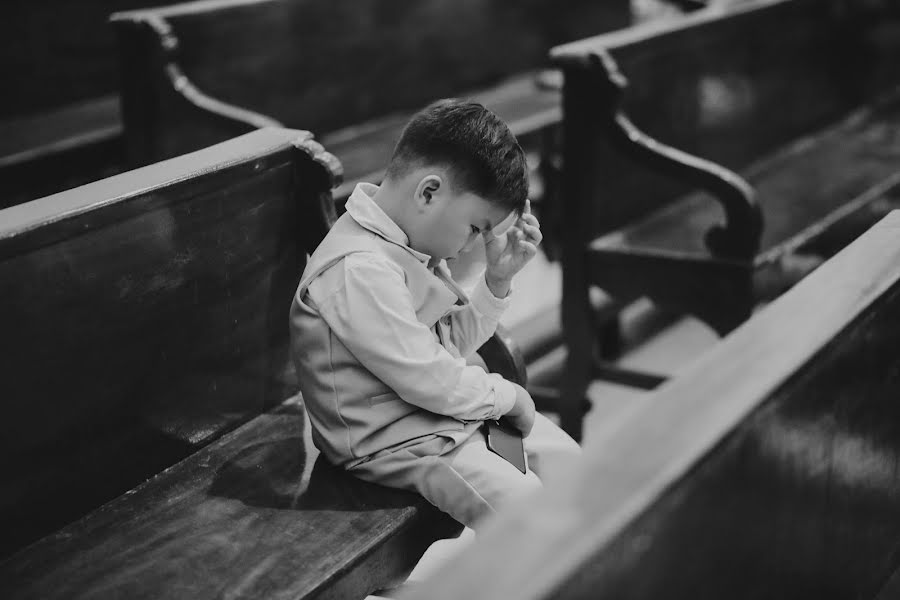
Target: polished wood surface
[57,53]
[730,85]
[144,315]
[768,469]
[57,150]
[257,514]
[197,72]
[699,154]
[60,125]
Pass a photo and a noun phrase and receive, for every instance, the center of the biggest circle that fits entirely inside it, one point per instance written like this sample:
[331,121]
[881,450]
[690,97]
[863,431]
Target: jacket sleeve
[472,324]
[372,314]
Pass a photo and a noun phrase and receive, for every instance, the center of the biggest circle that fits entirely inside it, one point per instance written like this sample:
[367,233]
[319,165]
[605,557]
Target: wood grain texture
[145,315]
[57,53]
[59,149]
[768,469]
[798,97]
[731,86]
[806,182]
[329,65]
[353,74]
[256,514]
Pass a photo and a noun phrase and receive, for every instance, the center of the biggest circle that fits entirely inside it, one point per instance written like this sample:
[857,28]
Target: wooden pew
[796,101]
[197,73]
[49,151]
[145,318]
[141,318]
[60,125]
[768,470]
[60,114]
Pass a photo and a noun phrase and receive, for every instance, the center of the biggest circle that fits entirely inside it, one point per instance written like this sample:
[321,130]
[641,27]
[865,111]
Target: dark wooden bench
[794,109]
[767,470]
[147,374]
[140,318]
[60,114]
[201,72]
[50,151]
[60,125]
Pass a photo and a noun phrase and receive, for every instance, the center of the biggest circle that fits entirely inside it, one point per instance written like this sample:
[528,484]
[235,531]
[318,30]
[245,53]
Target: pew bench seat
[257,514]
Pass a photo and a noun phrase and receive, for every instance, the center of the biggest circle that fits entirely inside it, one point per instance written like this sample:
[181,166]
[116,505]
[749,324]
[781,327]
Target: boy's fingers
[504,225]
[527,210]
[530,220]
[533,233]
[528,248]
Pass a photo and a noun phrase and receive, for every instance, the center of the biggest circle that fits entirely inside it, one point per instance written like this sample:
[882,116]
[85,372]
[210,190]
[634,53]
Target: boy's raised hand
[508,253]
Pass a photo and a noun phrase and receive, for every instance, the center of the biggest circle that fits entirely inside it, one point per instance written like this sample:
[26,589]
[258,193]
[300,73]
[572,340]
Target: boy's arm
[475,322]
[371,312]
[506,254]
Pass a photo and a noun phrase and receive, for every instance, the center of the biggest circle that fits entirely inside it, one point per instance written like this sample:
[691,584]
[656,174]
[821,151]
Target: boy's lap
[444,462]
[462,478]
[449,471]
[486,471]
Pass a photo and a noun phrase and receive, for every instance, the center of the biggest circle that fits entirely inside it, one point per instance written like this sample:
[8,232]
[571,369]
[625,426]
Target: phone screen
[506,442]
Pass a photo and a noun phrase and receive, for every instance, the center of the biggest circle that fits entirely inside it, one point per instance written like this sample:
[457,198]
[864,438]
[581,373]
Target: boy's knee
[561,443]
[569,447]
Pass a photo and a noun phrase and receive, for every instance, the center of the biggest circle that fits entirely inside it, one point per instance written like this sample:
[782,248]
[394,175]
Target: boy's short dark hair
[473,143]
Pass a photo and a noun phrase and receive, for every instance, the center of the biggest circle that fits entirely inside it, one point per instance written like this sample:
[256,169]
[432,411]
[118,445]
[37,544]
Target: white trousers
[465,479]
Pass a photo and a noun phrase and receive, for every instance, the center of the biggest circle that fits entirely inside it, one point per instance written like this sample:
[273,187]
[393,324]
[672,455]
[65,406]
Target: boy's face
[451,220]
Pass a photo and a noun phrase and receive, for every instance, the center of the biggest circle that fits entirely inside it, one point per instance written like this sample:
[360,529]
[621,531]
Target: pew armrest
[501,355]
[739,236]
[148,44]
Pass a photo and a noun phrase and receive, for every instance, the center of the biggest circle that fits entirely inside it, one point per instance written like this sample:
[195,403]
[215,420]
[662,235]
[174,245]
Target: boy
[379,328]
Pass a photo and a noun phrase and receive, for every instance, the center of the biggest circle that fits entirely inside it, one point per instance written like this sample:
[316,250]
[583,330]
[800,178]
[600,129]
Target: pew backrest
[326,65]
[144,315]
[768,469]
[730,84]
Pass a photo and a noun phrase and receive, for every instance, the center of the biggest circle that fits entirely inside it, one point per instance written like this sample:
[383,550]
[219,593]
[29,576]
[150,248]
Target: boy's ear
[427,189]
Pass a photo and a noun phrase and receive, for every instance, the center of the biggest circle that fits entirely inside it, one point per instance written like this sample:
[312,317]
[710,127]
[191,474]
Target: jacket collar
[369,215]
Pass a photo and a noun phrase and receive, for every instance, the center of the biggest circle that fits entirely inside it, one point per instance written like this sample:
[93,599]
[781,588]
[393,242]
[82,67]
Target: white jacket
[378,341]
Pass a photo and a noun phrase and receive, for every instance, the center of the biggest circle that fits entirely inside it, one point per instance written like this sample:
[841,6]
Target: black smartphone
[506,442]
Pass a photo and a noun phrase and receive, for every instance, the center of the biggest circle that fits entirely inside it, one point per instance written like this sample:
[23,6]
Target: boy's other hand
[522,414]
[508,253]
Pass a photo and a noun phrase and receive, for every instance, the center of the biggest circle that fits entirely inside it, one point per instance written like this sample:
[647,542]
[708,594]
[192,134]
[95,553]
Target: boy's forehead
[501,227]
[494,214]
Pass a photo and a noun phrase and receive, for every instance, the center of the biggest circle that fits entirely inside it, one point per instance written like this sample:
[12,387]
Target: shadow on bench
[767,470]
[147,317]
